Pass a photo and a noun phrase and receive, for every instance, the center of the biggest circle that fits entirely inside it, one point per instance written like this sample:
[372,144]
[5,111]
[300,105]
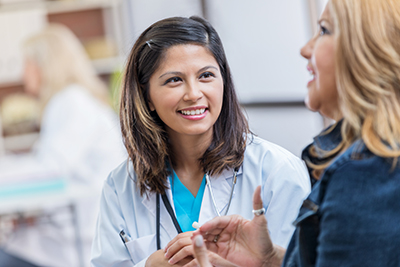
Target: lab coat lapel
[221,187]
[165,219]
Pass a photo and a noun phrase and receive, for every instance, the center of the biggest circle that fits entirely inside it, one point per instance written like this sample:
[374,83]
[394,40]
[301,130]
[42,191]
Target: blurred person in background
[79,138]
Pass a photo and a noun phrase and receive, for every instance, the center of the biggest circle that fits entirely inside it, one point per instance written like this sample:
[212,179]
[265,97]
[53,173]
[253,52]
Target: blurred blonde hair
[368,72]
[367,36]
[62,61]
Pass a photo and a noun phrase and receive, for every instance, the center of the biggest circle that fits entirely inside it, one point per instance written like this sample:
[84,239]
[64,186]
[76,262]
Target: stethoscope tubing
[230,196]
[172,215]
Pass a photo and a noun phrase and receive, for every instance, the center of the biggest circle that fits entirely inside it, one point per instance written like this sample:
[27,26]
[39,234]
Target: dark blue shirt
[352,216]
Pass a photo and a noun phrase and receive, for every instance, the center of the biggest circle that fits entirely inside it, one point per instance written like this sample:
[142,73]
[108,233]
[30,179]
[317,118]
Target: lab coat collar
[221,186]
[165,220]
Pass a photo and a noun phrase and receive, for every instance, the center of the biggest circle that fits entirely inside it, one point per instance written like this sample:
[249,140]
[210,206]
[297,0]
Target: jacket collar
[329,138]
[221,187]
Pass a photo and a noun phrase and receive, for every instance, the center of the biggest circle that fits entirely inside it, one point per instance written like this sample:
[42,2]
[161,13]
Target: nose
[193,92]
[306,50]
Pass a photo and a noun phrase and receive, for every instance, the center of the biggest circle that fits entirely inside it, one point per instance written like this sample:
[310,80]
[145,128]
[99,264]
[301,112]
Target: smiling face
[320,52]
[186,90]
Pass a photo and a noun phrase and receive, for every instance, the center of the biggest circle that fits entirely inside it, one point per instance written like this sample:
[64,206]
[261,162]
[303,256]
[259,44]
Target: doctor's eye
[173,80]
[207,75]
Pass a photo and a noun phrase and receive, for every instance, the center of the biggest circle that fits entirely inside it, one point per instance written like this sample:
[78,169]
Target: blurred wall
[292,127]
[140,14]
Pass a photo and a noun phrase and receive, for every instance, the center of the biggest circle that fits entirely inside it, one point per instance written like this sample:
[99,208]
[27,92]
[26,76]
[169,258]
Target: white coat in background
[82,137]
[285,184]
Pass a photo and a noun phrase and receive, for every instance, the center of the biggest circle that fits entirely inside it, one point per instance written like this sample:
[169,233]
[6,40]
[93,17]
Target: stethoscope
[171,213]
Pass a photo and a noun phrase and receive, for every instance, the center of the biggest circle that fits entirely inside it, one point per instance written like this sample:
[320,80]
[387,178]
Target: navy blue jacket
[352,216]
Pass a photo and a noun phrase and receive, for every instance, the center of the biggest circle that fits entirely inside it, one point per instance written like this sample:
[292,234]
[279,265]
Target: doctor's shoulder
[123,177]
[266,150]
[274,159]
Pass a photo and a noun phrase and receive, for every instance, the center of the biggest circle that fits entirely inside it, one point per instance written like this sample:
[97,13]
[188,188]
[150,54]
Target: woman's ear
[151,106]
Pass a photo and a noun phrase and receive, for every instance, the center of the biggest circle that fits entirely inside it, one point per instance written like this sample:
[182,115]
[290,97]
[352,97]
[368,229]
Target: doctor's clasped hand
[240,241]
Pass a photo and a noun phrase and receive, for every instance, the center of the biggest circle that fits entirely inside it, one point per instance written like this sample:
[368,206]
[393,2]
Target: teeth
[193,112]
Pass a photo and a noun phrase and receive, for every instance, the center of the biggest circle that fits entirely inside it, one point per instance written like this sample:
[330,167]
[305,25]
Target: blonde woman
[351,217]
[79,138]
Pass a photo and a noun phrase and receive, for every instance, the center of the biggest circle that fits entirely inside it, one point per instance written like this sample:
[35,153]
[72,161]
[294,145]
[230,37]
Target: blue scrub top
[187,207]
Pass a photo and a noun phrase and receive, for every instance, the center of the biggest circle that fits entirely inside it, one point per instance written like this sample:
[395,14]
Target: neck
[186,153]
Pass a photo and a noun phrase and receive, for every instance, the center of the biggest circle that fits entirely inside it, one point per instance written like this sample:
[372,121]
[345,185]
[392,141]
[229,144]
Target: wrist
[274,258]
[155,258]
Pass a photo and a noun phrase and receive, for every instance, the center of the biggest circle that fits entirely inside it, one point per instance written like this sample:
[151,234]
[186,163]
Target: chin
[307,103]
[310,107]
[197,132]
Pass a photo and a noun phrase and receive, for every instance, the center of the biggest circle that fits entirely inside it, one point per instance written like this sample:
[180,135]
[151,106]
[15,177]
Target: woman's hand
[200,251]
[158,259]
[180,251]
[243,242]
[204,257]
[179,248]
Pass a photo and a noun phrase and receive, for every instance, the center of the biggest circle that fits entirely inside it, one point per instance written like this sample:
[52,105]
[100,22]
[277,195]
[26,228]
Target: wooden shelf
[92,21]
[10,88]
[56,7]
[85,24]
[102,66]
[60,6]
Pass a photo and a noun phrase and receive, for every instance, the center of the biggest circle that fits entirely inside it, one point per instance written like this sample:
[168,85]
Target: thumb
[257,201]
[200,251]
[257,206]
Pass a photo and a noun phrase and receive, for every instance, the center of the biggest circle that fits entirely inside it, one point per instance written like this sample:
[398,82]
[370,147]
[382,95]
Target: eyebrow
[170,72]
[180,73]
[321,20]
[207,67]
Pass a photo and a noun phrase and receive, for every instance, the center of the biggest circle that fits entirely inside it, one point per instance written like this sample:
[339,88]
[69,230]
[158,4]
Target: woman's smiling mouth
[195,113]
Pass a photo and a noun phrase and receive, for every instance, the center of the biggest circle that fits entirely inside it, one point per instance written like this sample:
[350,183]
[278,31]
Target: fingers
[216,225]
[217,260]
[214,260]
[179,248]
[200,251]
[192,263]
[257,201]
[181,254]
[177,238]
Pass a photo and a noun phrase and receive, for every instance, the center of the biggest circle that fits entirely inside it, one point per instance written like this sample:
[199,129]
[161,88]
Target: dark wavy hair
[144,133]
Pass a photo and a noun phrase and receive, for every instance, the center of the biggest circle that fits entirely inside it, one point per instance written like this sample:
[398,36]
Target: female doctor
[192,156]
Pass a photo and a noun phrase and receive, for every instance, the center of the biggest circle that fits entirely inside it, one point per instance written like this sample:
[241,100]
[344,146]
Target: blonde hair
[62,61]
[367,35]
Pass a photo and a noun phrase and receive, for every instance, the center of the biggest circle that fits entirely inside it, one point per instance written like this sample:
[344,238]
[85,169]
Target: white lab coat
[285,183]
[82,137]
